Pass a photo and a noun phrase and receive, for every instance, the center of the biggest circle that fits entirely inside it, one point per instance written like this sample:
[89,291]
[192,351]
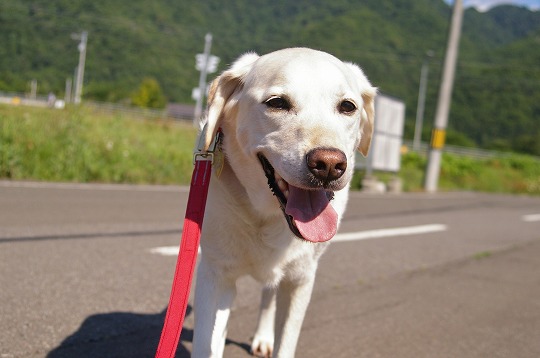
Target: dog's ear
[368,94]
[221,91]
[368,121]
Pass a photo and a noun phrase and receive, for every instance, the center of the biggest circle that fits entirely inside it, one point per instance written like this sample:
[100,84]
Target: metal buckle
[203,156]
[209,154]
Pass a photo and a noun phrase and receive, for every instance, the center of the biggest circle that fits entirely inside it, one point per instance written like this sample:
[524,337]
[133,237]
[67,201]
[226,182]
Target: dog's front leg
[263,341]
[292,302]
[213,299]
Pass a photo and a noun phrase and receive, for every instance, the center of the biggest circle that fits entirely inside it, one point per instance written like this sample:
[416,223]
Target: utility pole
[74,84]
[67,95]
[445,95]
[421,102]
[202,65]
[33,89]
[80,68]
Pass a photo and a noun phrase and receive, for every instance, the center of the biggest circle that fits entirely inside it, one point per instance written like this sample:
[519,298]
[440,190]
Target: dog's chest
[273,258]
[265,250]
[239,240]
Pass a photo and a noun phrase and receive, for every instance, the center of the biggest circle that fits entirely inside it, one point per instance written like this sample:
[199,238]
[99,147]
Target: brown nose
[326,164]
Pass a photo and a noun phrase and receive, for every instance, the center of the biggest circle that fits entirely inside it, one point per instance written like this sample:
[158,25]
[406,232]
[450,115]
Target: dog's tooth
[286,194]
[282,184]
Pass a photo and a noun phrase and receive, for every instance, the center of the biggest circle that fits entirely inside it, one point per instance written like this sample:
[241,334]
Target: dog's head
[297,116]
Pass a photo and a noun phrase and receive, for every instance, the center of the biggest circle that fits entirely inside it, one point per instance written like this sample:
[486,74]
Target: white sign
[385,151]
[388,134]
[211,64]
[195,93]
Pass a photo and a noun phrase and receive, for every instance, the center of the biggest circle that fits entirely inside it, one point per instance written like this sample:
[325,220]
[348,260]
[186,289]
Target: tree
[149,94]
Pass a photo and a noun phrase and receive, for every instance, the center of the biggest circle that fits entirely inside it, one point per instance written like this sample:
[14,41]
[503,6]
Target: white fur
[244,230]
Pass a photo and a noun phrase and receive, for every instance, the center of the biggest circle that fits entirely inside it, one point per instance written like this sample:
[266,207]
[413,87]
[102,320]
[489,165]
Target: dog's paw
[262,346]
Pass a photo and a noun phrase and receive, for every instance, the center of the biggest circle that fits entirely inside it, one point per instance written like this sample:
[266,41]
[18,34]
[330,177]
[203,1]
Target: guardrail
[458,150]
[173,111]
[477,153]
[118,108]
[18,99]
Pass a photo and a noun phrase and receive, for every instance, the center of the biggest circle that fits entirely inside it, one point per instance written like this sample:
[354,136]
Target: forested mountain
[496,101]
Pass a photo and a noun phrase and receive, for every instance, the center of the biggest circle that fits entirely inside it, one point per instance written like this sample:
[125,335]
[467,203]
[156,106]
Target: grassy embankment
[79,145]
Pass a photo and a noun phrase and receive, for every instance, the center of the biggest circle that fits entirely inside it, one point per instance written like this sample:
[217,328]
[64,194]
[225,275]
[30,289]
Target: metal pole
[67,95]
[33,89]
[443,105]
[421,102]
[74,85]
[80,68]
[202,80]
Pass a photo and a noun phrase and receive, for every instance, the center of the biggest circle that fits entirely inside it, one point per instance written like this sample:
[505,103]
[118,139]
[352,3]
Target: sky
[484,5]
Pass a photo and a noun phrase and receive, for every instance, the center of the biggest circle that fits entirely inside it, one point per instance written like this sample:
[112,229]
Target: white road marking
[531,218]
[349,236]
[93,186]
[398,231]
[166,250]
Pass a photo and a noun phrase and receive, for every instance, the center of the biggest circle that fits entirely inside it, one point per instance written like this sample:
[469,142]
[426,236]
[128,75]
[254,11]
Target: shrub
[149,95]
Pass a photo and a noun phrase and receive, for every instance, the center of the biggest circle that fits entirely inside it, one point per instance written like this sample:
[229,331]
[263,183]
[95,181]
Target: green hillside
[495,102]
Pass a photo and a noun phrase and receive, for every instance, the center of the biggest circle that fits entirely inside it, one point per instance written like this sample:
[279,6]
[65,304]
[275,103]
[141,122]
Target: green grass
[79,145]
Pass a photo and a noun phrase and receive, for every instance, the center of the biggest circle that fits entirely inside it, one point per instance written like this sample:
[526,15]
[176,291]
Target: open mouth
[308,212]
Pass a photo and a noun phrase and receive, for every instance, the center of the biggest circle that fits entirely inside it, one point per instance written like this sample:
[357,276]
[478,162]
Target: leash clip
[199,157]
[209,154]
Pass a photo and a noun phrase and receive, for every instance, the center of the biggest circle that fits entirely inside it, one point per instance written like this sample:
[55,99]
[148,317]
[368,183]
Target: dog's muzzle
[269,172]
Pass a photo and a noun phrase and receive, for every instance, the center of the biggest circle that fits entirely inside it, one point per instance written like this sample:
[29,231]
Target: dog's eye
[347,107]
[278,103]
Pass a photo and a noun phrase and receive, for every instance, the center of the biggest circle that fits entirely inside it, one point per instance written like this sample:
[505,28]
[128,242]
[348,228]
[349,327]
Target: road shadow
[122,335]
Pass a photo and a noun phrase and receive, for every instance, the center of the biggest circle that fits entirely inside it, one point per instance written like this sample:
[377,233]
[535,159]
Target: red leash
[189,246]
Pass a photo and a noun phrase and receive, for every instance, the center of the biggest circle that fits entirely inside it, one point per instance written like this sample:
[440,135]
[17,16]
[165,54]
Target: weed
[483,255]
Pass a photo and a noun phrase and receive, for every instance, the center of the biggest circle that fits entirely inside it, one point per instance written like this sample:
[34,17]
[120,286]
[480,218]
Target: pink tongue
[313,215]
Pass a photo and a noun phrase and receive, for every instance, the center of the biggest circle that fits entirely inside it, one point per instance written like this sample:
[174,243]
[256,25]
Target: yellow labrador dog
[291,122]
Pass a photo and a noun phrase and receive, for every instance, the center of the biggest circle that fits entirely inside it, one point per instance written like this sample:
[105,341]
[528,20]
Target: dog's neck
[229,183]
[256,201]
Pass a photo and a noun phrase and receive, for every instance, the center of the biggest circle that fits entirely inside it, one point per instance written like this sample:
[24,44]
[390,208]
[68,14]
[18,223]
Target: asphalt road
[79,277]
